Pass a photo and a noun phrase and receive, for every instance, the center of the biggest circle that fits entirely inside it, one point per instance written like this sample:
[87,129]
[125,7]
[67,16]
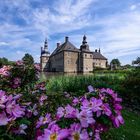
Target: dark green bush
[131,88]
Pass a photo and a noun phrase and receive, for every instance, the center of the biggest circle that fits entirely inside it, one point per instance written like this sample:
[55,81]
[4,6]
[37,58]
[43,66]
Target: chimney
[95,50]
[99,50]
[58,44]
[66,39]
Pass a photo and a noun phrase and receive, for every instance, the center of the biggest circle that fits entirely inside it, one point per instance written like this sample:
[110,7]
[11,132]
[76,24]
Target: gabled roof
[67,46]
[97,55]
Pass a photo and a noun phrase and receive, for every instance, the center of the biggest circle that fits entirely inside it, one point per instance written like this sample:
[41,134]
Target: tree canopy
[5,61]
[116,62]
[28,59]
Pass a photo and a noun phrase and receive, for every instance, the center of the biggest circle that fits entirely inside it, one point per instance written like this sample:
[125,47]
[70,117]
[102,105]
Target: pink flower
[41,86]
[117,121]
[42,99]
[77,133]
[43,120]
[86,118]
[75,101]
[3,119]
[21,129]
[111,93]
[60,112]
[16,82]
[67,112]
[90,89]
[71,112]
[67,95]
[17,96]
[94,104]
[55,133]
[19,62]
[14,109]
[3,99]
[97,135]
[106,109]
[5,71]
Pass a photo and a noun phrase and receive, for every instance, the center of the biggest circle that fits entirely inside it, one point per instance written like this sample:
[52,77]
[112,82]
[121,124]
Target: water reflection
[48,75]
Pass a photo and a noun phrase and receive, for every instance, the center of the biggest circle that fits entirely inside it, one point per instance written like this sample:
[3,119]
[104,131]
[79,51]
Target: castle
[67,58]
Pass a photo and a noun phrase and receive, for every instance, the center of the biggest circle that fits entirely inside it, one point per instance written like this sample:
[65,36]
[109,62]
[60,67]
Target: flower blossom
[93,105]
[86,118]
[77,133]
[90,89]
[55,133]
[71,112]
[117,121]
[75,101]
[16,82]
[4,71]
[3,119]
[3,99]
[14,110]
[42,99]
[43,120]
[21,129]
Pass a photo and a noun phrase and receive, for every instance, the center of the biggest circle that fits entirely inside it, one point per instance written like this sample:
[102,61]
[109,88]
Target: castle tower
[45,54]
[84,46]
[86,57]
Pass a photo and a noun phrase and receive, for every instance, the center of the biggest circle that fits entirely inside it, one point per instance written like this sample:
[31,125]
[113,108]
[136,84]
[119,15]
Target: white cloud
[116,33]
[133,7]
[3,43]
[68,16]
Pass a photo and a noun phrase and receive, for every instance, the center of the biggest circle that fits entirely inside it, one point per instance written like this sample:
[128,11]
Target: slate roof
[97,55]
[65,46]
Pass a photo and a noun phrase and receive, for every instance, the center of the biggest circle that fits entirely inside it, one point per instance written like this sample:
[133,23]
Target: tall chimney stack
[66,39]
[58,44]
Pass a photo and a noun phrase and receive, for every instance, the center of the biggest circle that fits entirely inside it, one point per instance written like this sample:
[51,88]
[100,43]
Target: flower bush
[87,117]
[27,111]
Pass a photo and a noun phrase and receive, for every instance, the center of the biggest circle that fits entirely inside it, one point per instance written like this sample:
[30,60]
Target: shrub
[35,114]
[131,89]
[86,117]
[18,77]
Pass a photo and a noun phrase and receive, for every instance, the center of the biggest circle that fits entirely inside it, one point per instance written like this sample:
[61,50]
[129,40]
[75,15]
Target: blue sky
[112,25]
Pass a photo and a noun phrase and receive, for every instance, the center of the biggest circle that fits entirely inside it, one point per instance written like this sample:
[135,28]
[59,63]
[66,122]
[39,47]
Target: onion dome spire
[84,39]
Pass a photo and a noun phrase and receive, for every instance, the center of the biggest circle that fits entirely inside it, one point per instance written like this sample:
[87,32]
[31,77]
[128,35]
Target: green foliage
[129,131]
[27,75]
[125,83]
[79,83]
[28,59]
[131,88]
[115,63]
[54,101]
[5,61]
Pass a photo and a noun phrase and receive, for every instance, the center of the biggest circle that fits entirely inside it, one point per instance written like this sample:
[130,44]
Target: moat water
[48,75]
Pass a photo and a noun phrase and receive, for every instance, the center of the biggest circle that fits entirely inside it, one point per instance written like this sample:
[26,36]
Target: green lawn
[130,130]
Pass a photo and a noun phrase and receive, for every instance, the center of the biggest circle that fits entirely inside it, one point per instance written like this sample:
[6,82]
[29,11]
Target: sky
[111,25]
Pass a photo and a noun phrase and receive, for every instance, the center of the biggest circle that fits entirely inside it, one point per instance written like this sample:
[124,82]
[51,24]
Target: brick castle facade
[67,58]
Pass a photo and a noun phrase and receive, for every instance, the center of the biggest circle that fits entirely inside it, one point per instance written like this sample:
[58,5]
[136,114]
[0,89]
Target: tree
[115,63]
[3,61]
[137,61]
[28,59]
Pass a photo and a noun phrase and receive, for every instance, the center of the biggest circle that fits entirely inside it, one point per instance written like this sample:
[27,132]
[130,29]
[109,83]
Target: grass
[80,83]
[130,130]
